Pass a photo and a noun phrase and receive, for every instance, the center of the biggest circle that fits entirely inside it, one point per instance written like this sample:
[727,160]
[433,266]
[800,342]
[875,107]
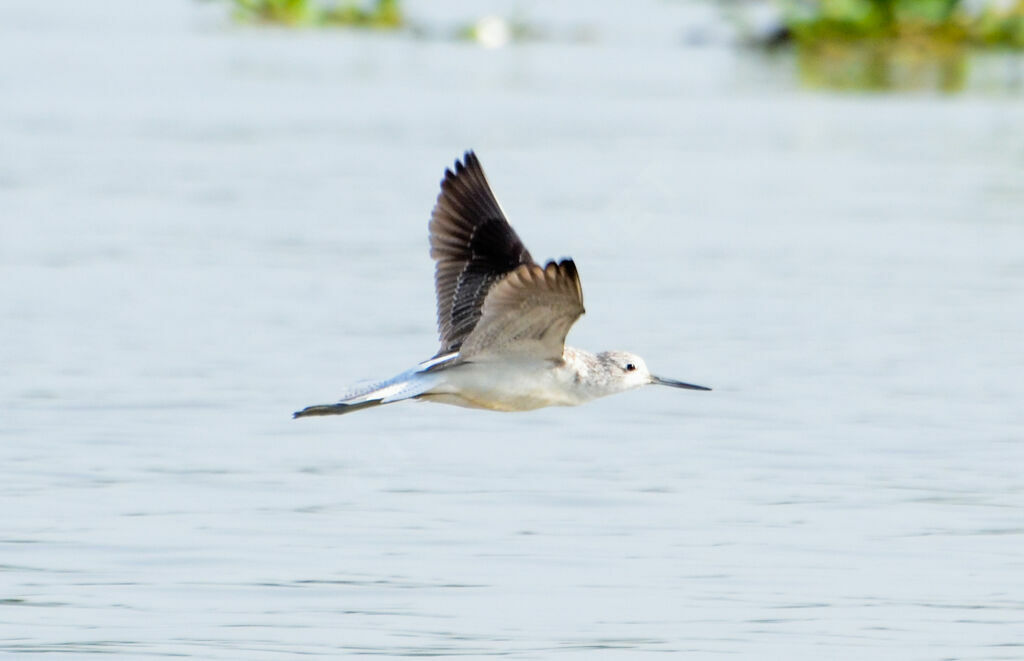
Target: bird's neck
[590,375]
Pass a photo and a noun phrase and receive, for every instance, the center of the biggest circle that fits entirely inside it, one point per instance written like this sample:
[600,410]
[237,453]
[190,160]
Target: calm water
[204,228]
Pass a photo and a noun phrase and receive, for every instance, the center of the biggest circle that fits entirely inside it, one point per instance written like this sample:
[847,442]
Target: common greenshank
[502,320]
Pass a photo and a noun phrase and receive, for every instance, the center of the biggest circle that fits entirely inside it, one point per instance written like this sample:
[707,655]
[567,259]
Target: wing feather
[474,247]
[528,314]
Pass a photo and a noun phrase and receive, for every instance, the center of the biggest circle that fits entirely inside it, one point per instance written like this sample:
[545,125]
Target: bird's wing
[527,314]
[474,247]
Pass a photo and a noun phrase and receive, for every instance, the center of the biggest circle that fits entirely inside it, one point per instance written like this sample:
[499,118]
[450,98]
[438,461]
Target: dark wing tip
[569,267]
[572,277]
[469,161]
[463,182]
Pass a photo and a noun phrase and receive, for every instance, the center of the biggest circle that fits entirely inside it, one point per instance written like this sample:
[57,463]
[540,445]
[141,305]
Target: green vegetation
[897,44]
[930,23]
[383,14]
[995,27]
[489,31]
[882,66]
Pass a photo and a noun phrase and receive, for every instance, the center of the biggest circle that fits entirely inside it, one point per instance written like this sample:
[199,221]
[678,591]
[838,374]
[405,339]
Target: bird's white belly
[508,387]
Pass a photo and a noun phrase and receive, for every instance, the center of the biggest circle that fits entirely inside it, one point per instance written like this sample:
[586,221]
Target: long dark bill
[657,380]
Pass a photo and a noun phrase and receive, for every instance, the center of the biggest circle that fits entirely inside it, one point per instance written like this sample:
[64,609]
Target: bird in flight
[502,320]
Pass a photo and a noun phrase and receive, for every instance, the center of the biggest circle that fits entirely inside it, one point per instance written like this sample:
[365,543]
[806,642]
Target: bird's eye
[630,367]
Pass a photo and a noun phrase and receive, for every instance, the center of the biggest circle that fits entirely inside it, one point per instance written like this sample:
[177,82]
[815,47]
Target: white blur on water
[205,226]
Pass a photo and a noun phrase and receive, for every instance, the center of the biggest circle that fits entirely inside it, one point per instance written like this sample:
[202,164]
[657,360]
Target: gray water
[205,227]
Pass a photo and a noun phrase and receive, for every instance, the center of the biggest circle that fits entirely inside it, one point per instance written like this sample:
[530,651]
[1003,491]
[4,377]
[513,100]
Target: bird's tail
[404,386]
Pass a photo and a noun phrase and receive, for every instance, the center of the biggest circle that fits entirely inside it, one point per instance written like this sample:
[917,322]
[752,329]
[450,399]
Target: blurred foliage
[882,66]
[995,23]
[896,44]
[382,14]
[1000,26]
[490,31]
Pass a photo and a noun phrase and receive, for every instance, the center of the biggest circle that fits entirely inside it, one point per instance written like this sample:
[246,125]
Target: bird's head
[628,371]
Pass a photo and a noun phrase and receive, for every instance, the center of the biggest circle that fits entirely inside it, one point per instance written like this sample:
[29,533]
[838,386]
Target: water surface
[207,227]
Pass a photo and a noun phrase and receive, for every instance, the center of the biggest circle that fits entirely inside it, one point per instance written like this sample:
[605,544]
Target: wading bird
[502,320]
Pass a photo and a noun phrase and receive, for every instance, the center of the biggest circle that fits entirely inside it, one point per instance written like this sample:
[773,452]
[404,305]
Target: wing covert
[528,313]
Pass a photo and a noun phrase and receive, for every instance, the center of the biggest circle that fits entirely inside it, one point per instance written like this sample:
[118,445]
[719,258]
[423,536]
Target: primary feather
[474,247]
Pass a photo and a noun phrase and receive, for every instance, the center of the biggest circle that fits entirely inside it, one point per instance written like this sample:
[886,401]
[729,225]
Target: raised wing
[474,247]
[528,314]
